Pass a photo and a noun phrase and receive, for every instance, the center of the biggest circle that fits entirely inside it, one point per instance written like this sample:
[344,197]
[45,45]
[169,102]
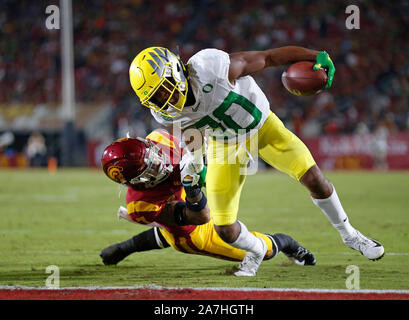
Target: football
[301,79]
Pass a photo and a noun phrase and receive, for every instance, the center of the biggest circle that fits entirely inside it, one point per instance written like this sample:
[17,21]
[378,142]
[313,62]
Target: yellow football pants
[204,240]
[227,163]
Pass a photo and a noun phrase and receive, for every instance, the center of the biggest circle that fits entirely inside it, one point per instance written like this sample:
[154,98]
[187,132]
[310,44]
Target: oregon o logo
[115,173]
[207,88]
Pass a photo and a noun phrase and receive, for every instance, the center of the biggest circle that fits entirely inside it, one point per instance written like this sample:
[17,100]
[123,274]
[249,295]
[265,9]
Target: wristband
[197,206]
[192,191]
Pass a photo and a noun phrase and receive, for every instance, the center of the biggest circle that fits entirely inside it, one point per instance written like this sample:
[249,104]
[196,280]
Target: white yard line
[155,287]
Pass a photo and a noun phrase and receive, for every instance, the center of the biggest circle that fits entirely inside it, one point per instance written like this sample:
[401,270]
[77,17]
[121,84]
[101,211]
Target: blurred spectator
[6,139]
[36,150]
[380,146]
[372,62]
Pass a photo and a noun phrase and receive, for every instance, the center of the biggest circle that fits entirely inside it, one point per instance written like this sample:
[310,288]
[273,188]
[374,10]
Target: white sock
[247,241]
[332,208]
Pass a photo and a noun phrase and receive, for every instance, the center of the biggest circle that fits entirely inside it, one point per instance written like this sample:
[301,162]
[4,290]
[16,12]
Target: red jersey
[144,204]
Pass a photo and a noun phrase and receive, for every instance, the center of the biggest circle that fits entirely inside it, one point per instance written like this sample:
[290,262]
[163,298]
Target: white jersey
[227,110]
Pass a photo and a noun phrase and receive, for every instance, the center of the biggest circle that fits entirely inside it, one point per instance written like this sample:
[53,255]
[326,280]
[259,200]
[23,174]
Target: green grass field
[65,219]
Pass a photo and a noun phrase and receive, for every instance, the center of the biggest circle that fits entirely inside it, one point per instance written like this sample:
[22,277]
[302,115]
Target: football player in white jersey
[215,93]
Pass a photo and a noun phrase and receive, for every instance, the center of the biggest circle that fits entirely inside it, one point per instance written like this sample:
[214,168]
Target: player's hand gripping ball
[307,78]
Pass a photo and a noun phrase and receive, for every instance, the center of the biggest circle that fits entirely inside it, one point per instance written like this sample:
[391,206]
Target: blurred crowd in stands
[370,90]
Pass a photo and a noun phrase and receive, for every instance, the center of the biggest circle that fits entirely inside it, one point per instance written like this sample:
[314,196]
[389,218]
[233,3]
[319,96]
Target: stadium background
[361,122]
[65,218]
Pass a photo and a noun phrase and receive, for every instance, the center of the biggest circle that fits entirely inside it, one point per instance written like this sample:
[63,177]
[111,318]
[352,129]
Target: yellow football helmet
[154,69]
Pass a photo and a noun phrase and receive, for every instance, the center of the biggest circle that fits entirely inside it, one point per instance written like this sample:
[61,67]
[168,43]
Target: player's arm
[194,211]
[197,210]
[249,62]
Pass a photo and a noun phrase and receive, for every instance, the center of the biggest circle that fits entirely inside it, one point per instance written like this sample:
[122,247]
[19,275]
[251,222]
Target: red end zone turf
[196,294]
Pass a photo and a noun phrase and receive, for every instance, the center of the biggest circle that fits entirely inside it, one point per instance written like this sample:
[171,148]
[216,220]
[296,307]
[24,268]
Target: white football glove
[123,214]
[190,169]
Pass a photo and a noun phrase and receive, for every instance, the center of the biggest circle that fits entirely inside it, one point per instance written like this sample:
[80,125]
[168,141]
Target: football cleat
[112,255]
[369,248]
[301,257]
[251,262]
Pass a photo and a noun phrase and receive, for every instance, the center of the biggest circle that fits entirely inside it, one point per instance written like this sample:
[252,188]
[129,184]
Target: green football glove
[193,190]
[192,171]
[202,179]
[325,62]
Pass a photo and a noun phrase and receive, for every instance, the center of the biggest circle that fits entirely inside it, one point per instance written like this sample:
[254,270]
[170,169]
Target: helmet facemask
[171,87]
[157,166]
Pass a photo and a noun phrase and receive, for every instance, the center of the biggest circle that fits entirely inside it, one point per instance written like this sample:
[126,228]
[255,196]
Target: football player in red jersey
[180,217]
